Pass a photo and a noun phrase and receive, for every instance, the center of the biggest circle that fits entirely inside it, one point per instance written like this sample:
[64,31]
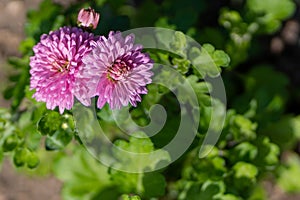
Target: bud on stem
[88,18]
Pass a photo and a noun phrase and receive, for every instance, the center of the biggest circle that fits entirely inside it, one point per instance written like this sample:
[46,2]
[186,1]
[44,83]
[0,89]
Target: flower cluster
[70,62]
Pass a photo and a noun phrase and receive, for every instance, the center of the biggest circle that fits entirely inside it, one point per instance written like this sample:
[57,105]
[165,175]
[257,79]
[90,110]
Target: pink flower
[88,18]
[117,71]
[53,67]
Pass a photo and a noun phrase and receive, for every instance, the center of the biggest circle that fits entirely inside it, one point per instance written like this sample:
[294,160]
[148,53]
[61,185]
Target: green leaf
[200,170]
[245,170]
[106,114]
[203,63]
[42,20]
[208,48]
[268,152]
[181,65]
[270,98]
[242,128]
[179,43]
[2,124]
[110,192]
[49,123]
[200,88]
[139,153]
[230,18]
[258,192]
[130,197]
[32,160]
[243,179]
[244,151]
[58,128]
[164,23]
[59,140]
[289,175]
[221,58]
[16,90]
[18,63]
[83,176]
[20,157]
[279,9]
[10,142]
[26,45]
[217,111]
[270,13]
[59,22]
[285,132]
[154,184]
[209,151]
[127,182]
[164,39]
[208,61]
[208,191]
[229,197]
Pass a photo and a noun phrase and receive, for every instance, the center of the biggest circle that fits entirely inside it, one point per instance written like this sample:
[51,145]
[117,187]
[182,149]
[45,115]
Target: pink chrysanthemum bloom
[117,71]
[53,67]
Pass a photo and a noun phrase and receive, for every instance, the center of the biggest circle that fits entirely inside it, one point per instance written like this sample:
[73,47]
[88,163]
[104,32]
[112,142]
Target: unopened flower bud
[88,18]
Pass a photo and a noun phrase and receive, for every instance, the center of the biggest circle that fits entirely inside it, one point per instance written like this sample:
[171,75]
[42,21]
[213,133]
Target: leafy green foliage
[43,20]
[154,184]
[10,143]
[17,90]
[259,17]
[17,141]
[285,132]
[208,60]
[258,128]
[84,177]
[130,197]
[242,128]
[290,174]
[139,144]
[140,156]
[58,128]
[268,98]
[209,190]
[24,156]
[273,12]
